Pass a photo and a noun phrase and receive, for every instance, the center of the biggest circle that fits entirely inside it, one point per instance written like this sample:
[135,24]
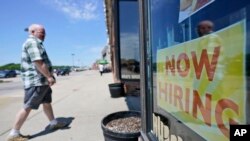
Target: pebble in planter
[122,126]
[125,125]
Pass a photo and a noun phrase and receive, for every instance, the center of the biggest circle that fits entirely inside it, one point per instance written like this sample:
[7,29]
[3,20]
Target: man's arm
[43,69]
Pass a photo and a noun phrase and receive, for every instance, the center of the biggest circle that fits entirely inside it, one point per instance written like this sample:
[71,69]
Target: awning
[103,61]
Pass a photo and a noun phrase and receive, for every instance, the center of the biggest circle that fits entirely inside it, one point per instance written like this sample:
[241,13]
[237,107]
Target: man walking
[37,75]
[101,69]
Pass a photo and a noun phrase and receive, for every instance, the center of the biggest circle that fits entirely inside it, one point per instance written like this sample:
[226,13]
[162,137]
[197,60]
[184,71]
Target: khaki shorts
[34,96]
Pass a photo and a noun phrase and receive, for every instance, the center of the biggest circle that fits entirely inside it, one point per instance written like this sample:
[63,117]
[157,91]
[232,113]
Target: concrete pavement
[83,98]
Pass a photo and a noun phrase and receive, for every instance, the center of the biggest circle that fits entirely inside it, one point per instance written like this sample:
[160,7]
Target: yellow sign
[202,82]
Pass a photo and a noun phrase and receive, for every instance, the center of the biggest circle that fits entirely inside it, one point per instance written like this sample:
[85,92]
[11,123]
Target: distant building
[106,55]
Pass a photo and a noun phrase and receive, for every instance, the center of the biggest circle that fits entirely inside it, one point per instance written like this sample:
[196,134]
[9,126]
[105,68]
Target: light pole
[73,60]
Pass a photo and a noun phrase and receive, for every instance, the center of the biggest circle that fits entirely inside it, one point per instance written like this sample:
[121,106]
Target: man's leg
[54,124]
[21,117]
[47,108]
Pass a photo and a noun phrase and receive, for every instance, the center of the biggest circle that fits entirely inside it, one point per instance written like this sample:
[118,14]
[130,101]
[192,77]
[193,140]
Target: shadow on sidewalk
[67,120]
[133,102]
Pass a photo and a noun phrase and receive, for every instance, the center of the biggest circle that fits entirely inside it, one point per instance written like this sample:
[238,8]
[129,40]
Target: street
[13,86]
[82,97]
[10,86]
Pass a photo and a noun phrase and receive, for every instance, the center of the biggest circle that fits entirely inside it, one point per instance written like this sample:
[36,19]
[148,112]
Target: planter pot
[116,133]
[116,90]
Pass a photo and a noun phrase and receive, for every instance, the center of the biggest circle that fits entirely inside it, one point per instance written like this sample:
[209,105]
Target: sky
[75,29]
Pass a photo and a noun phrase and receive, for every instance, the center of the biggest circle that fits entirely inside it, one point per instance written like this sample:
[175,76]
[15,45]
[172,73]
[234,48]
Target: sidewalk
[82,98]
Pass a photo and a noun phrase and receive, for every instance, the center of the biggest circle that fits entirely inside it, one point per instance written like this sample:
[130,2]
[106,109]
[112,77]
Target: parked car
[18,72]
[7,73]
[64,71]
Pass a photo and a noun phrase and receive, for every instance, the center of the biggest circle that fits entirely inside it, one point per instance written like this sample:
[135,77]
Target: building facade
[194,67]
[123,31]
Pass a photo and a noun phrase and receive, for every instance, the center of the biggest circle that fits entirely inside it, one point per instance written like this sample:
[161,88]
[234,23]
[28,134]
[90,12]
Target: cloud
[76,9]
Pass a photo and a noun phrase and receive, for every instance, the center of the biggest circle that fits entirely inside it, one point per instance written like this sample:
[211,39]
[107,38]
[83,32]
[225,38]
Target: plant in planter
[122,126]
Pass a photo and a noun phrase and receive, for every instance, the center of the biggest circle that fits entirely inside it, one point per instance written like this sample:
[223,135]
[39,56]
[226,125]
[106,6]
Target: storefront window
[129,39]
[199,67]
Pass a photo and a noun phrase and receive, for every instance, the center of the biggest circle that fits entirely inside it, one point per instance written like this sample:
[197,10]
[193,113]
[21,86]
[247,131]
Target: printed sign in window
[189,7]
[202,82]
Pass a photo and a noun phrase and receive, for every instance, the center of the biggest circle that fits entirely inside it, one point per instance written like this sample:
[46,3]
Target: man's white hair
[33,27]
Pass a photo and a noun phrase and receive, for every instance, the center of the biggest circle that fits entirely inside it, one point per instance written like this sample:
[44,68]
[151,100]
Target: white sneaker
[18,138]
[58,125]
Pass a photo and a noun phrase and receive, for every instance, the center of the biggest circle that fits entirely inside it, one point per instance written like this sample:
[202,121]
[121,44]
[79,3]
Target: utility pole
[73,60]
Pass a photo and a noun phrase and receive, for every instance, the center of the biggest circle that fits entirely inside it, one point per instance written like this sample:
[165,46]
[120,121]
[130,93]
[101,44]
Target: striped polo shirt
[33,50]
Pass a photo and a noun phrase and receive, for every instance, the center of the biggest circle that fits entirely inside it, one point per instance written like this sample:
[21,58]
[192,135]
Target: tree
[10,66]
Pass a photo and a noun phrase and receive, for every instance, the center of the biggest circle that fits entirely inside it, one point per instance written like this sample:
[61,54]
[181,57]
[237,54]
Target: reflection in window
[167,31]
[129,39]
